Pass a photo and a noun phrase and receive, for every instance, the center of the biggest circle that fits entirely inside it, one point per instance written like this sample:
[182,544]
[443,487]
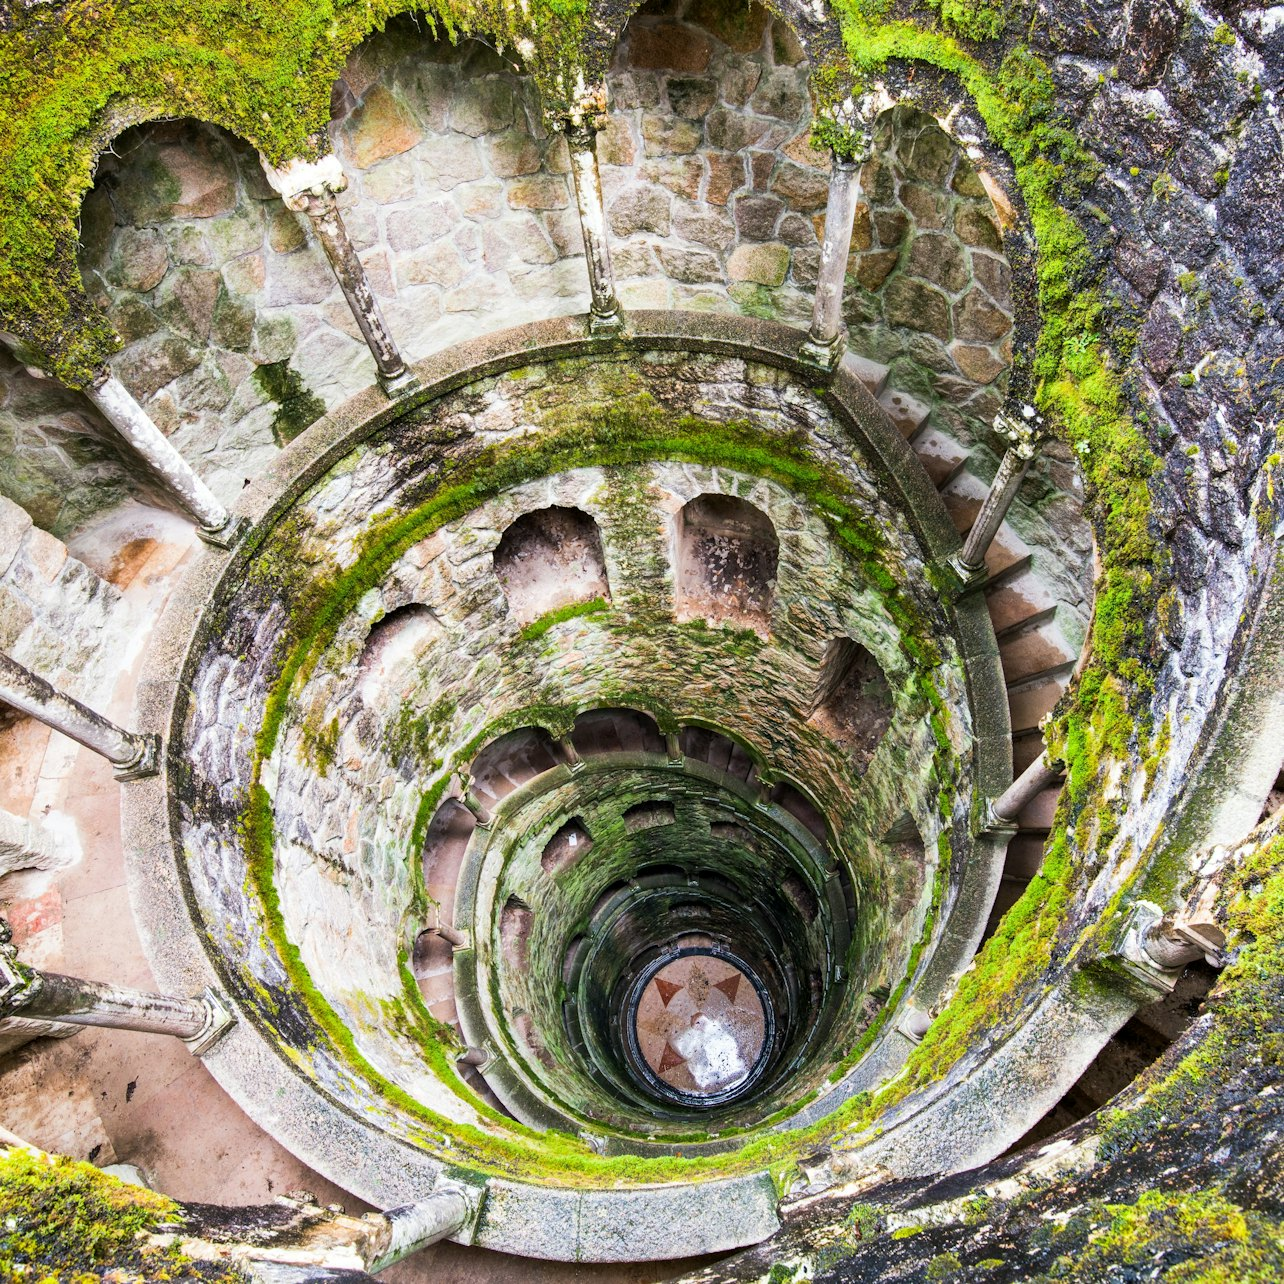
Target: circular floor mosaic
[700,1025]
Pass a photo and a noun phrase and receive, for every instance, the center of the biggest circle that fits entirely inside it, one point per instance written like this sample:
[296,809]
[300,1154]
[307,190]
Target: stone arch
[727,557]
[852,701]
[599,731]
[551,558]
[511,760]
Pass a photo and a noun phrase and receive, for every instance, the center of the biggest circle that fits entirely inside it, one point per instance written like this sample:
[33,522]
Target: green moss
[574,611]
[64,1220]
[70,79]
[296,405]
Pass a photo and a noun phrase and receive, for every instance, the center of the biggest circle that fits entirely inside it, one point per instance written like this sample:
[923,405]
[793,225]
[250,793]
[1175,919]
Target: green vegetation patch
[64,1220]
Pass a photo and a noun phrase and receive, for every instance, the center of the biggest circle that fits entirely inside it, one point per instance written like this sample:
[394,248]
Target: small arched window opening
[649,815]
[600,731]
[549,559]
[567,846]
[510,761]
[397,638]
[852,702]
[515,923]
[728,553]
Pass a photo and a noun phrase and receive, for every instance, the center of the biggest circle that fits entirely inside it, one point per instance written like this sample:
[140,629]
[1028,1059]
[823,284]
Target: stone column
[1023,430]
[132,755]
[827,339]
[581,129]
[414,1226]
[113,399]
[49,996]
[310,187]
[1003,810]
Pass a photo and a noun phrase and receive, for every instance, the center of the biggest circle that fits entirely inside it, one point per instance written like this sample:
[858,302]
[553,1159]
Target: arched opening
[551,558]
[601,731]
[852,703]
[396,639]
[726,564]
[567,846]
[510,761]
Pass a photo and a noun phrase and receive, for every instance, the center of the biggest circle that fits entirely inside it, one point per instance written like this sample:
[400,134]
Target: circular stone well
[722,736]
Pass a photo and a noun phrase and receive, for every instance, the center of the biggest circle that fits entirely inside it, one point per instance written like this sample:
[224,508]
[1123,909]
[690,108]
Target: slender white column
[827,339]
[604,307]
[1023,431]
[310,187]
[134,424]
[50,996]
[132,755]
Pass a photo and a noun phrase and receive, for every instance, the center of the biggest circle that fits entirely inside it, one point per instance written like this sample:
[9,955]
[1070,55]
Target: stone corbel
[310,187]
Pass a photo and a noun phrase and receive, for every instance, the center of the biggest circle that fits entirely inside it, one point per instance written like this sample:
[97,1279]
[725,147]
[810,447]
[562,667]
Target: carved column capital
[303,184]
[19,984]
[1022,427]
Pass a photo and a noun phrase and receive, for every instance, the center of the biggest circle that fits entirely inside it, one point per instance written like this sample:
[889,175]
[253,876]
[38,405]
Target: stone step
[939,454]
[870,373]
[1035,646]
[1028,701]
[906,412]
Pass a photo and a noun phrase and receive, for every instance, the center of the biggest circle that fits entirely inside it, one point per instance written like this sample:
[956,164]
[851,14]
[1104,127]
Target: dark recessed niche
[649,815]
[548,559]
[568,845]
[727,557]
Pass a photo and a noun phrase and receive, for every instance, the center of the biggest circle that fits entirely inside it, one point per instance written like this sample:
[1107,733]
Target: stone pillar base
[824,355]
[226,536]
[148,762]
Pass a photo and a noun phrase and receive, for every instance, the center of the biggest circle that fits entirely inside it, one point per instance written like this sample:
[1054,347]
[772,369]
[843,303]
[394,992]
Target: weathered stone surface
[803,188]
[205,184]
[681,175]
[133,319]
[739,80]
[539,192]
[515,152]
[187,301]
[928,207]
[938,260]
[615,143]
[780,95]
[756,216]
[711,228]
[692,97]
[740,26]
[690,265]
[976,227]
[453,160]
[417,225]
[794,229]
[148,366]
[994,276]
[785,48]
[726,175]
[380,127]
[669,47]
[759,264]
[640,209]
[1160,340]
[977,317]
[874,266]
[668,137]
[483,106]
[141,259]
[917,307]
[977,363]
[733,131]
[285,231]
[929,155]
